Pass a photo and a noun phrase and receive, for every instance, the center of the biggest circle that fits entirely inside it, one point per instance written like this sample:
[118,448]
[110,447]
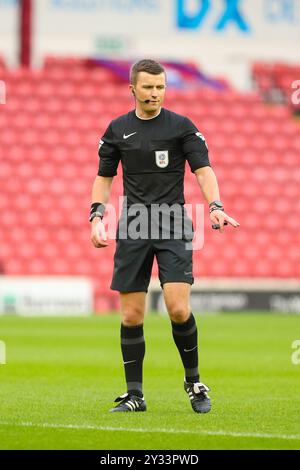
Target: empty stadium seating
[49,134]
[277,82]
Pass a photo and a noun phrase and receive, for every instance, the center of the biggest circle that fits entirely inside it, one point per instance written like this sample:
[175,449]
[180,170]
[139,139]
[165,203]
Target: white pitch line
[157,430]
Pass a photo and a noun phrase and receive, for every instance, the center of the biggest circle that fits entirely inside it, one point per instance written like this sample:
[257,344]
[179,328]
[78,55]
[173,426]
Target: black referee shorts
[133,261]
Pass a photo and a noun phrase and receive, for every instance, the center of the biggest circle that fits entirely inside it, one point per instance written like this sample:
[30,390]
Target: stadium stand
[274,82]
[50,129]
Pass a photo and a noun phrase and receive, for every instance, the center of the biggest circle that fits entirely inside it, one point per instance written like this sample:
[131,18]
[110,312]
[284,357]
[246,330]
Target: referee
[153,145]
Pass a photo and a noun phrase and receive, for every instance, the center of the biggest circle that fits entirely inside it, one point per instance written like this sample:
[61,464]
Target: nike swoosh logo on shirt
[129,135]
[189,350]
[128,362]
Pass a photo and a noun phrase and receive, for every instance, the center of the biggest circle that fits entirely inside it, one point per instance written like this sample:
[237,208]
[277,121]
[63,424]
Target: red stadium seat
[49,144]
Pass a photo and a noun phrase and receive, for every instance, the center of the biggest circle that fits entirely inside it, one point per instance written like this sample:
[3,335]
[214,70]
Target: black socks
[186,340]
[133,351]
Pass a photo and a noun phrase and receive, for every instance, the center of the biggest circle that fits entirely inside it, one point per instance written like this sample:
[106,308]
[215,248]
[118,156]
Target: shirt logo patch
[129,135]
[162,158]
[201,136]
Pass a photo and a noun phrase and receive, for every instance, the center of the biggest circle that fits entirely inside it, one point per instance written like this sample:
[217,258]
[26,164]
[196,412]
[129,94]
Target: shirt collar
[147,119]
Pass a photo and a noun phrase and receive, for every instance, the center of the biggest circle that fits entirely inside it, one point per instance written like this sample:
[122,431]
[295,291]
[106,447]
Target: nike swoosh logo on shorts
[129,135]
[128,362]
[189,350]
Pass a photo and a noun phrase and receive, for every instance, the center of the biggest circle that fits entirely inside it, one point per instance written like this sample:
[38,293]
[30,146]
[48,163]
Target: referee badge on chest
[162,158]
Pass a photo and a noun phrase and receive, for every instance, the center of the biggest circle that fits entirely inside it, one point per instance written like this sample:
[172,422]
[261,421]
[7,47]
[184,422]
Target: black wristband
[97,210]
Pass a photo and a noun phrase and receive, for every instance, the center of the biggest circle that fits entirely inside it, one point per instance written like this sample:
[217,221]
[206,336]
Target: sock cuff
[186,326]
[132,331]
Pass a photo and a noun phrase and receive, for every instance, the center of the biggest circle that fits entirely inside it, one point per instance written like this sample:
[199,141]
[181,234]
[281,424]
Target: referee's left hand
[220,218]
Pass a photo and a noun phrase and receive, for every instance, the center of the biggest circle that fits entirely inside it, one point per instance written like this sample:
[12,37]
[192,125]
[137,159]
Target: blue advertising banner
[262,19]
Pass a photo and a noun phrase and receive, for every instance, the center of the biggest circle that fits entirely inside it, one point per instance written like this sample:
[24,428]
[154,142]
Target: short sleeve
[194,146]
[109,154]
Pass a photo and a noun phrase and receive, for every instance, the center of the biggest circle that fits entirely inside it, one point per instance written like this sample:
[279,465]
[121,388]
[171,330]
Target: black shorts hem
[184,281]
[127,290]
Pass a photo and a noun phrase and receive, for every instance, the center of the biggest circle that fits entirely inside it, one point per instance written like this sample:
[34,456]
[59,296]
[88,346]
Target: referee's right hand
[98,234]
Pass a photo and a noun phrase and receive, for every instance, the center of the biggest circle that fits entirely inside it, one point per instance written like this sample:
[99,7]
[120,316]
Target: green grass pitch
[62,376]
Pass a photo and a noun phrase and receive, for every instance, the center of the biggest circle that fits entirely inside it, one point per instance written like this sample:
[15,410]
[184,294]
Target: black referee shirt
[153,154]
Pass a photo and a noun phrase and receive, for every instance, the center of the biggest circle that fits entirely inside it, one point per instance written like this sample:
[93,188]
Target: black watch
[217,204]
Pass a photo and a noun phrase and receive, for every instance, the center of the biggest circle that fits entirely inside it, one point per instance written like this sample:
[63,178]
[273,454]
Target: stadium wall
[9,31]
[235,295]
[223,37]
